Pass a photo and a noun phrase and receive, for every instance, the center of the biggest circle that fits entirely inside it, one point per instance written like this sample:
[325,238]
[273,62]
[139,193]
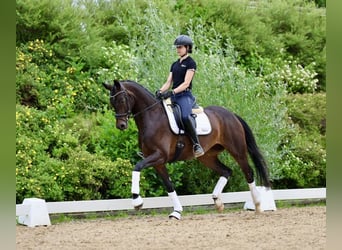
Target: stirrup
[198,150]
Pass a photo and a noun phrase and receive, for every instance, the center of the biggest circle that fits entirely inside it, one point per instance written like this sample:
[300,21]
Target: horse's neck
[145,106]
[142,100]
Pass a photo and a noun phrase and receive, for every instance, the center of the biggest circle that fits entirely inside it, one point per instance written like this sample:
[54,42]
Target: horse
[158,143]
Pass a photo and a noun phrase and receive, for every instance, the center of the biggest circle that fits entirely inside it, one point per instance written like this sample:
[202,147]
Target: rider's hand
[159,94]
[167,94]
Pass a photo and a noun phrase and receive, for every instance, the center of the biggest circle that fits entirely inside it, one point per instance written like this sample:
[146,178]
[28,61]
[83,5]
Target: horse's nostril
[121,126]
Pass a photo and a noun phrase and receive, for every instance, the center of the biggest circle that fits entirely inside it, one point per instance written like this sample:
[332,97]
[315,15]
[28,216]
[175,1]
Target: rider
[180,77]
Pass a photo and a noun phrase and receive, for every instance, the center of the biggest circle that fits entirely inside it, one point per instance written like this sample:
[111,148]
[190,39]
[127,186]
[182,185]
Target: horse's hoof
[218,205]
[175,215]
[137,203]
[258,208]
[220,208]
[138,207]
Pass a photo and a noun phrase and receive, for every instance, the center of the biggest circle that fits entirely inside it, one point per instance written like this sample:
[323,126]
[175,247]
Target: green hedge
[75,158]
[259,30]
[304,148]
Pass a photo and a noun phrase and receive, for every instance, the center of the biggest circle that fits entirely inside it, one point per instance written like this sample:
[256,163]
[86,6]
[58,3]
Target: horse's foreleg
[151,160]
[137,201]
[177,207]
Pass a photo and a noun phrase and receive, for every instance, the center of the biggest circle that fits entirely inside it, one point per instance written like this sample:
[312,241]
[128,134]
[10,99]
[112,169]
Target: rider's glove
[167,94]
[159,94]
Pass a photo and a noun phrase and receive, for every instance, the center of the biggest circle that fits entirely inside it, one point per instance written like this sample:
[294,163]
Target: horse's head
[119,99]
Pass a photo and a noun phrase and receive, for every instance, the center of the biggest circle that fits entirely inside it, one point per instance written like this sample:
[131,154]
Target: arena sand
[287,228]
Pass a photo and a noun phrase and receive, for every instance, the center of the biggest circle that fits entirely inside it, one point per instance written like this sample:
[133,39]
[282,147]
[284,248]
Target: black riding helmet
[184,40]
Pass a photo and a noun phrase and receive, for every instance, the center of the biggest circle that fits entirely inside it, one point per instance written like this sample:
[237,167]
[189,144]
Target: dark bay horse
[158,143]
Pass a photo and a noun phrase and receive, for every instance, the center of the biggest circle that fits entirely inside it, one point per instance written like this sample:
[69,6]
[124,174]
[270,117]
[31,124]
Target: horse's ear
[117,85]
[107,86]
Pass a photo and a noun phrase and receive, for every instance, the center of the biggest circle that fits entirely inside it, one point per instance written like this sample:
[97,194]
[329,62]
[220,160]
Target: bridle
[129,114]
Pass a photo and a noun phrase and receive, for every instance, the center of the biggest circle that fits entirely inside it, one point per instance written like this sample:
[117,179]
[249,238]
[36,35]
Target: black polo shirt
[179,69]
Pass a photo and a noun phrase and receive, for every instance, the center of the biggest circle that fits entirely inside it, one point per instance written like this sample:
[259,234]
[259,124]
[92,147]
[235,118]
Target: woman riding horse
[181,74]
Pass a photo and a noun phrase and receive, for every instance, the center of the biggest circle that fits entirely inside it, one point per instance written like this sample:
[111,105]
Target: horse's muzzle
[121,125]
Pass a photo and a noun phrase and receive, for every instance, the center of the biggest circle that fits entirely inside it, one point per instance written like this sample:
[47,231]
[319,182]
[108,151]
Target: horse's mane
[130,82]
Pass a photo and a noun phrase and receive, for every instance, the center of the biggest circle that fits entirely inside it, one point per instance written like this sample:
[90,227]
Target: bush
[44,83]
[308,111]
[52,161]
[294,77]
[262,29]
[118,63]
[81,177]
[304,149]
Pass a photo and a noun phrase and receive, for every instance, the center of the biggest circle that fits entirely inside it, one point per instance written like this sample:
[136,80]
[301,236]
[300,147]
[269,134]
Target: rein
[149,107]
[129,114]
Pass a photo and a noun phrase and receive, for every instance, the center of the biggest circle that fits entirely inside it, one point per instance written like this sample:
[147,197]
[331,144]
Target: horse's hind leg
[212,162]
[248,172]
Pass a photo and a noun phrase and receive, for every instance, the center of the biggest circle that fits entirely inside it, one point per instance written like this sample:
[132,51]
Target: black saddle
[177,112]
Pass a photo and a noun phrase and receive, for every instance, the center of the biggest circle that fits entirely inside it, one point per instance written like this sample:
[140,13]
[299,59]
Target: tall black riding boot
[189,125]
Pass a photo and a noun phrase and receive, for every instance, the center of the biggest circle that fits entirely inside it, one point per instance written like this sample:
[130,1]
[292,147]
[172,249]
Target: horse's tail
[255,154]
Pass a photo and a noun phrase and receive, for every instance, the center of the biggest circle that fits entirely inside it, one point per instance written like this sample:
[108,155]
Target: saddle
[173,111]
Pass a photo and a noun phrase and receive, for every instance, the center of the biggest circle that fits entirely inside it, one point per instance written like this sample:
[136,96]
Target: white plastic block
[38,213]
[267,200]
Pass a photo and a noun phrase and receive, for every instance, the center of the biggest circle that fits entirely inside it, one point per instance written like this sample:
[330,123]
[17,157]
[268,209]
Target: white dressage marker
[37,213]
[267,200]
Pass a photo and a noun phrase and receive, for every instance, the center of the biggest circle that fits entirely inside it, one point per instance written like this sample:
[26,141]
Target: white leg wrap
[221,183]
[175,201]
[255,193]
[137,202]
[175,215]
[251,185]
[135,182]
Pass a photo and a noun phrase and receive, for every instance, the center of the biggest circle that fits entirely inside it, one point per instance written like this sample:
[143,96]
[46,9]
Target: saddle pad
[203,126]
